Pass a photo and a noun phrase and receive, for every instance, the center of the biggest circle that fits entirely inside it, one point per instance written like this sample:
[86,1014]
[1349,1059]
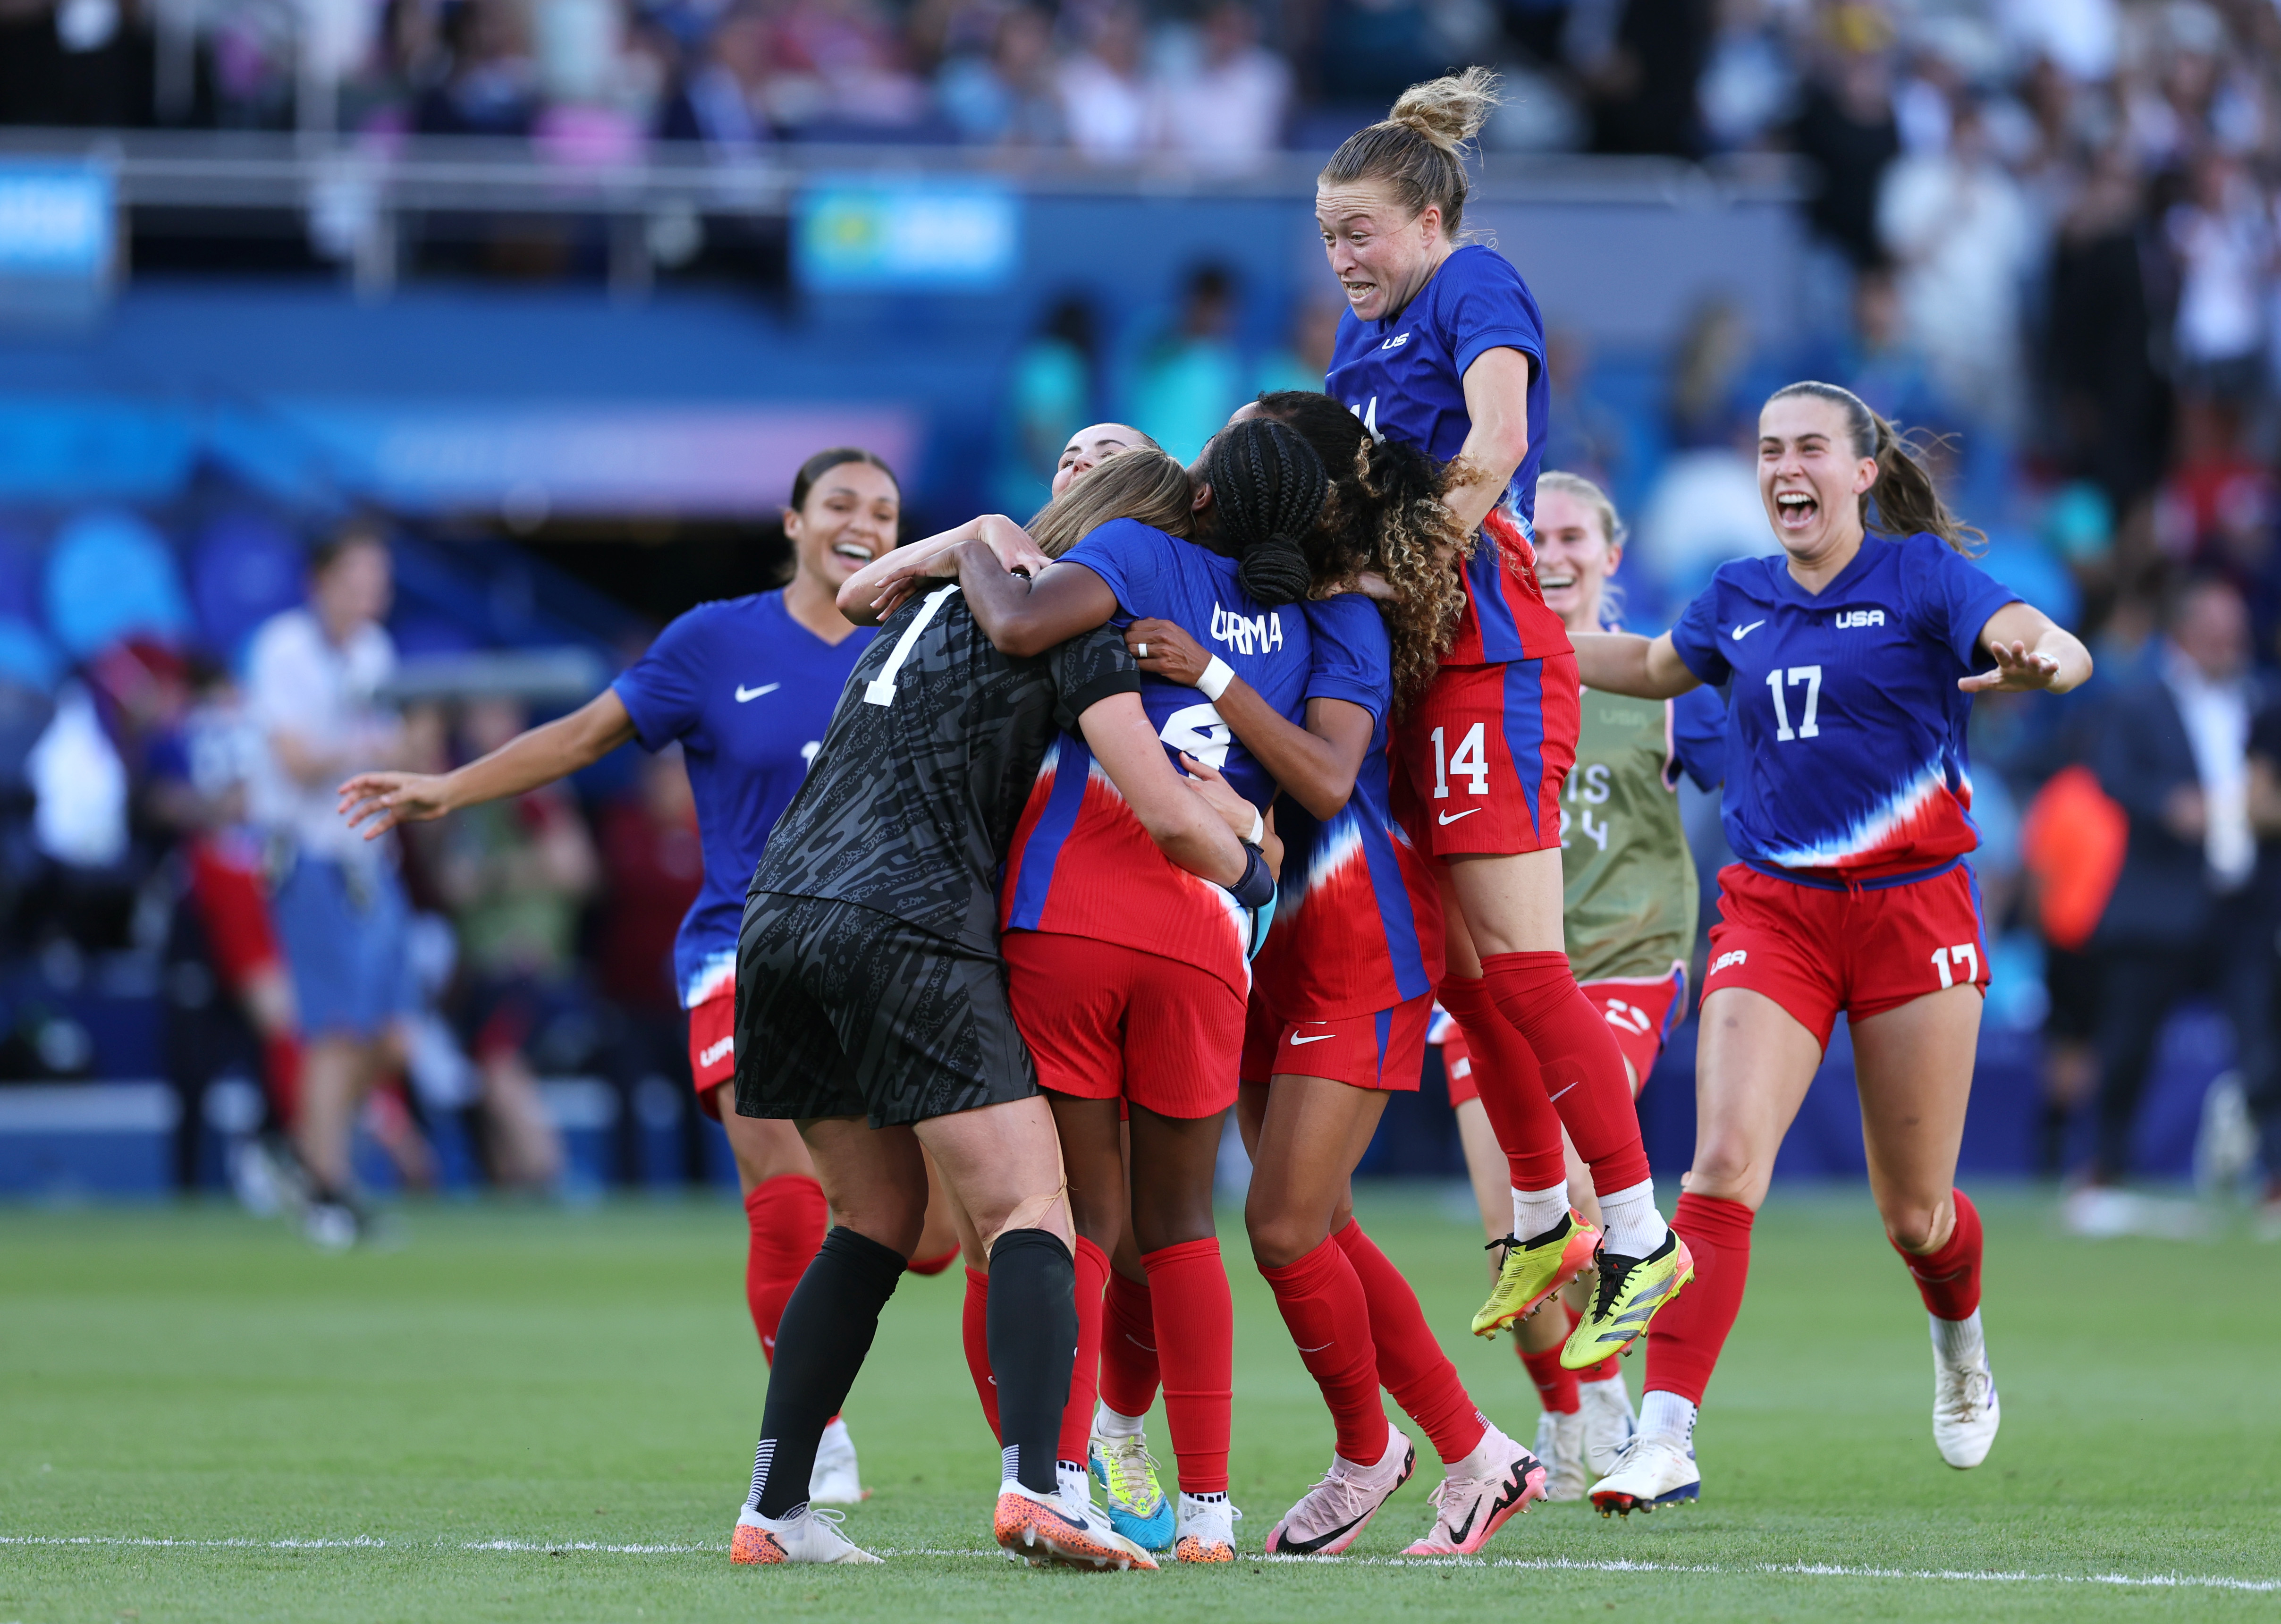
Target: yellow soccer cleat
[1533,1270]
[1628,1294]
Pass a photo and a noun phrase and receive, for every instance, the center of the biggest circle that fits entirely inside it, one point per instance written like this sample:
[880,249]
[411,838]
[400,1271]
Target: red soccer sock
[974,1332]
[932,1265]
[1684,1340]
[1556,1387]
[1195,1345]
[1583,1068]
[1128,1346]
[1322,1302]
[281,1069]
[1410,1361]
[785,1218]
[1948,1280]
[1084,1375]
[1527,1126]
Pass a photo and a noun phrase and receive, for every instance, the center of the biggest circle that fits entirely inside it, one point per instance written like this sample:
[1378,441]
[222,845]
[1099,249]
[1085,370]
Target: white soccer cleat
[1652,1470]
[1330,1516]
[1468,1510]
[1965,1413]
[835,1481]
[1560,1446]
[1609,1423]
[1207,1529]
[809,1535]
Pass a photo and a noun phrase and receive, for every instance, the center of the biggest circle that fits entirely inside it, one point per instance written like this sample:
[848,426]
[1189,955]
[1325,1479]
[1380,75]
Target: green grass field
[528,1414]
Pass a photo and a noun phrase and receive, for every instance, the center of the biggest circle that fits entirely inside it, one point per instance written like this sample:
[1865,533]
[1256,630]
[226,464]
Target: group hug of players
[1198,792]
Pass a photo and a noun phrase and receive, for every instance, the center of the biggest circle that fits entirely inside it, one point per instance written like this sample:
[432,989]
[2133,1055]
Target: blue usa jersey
[1405,376]
[1359,917]
[748,690]
[1845,751]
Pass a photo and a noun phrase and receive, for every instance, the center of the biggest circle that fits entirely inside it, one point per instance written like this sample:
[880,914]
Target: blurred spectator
[1641,62]
[1104,91]
[1304,360]
[2222,237]
[837,67]
[1050,396]
[1008,98]
[490,88]
[1750,83]
[2109,402]
[2262,1088]
[1884,365]
[2171,751]
[1225,108]
[1706,406]
[1585,435]
[719,101]
[311,677]
[1846,129]
[1188,375]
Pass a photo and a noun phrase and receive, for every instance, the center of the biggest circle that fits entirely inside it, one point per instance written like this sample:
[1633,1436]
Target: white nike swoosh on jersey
[744,693]
[1321,1037]
[1743,631]
[1452,818]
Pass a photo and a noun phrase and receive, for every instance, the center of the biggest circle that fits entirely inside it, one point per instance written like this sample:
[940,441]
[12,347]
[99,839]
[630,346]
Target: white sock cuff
[1667,1415]
[1110,1424]
[1535,1212]
[1644,1190]
[1959,1341]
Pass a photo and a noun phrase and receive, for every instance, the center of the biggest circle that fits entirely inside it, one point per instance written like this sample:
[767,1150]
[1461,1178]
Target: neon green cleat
[1533,1270]
[1629,1292]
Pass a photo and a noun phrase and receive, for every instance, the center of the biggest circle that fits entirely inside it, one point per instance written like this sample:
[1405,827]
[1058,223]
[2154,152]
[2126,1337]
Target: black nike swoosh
[1457,1535]
[1308,1547]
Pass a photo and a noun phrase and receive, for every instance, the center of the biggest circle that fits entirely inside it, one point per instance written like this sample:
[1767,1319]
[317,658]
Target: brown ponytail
[1418,149]
[1905,498]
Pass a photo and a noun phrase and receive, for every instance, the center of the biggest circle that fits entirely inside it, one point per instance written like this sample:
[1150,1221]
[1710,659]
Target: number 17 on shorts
[1485,754]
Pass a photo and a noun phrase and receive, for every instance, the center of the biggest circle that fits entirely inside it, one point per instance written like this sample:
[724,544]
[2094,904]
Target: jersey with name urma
[1845,730]
[909,806]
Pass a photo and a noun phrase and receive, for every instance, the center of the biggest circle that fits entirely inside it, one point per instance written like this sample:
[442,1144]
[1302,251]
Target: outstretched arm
[1028,616]
[381,801]
[2030,652]
[1178,819]
[1625,662]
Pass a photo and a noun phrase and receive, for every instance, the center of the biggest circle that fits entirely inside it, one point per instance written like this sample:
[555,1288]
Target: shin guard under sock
[1322,1302]
[1195,1347]
[1084,1375]
[1948,1280]
[1128,1346]
[825,1332]
[1033,1316]
[784,1218]
[1410,1361]
[1510,1086]
[1684,1339]
[974,1333]
[1583,1068]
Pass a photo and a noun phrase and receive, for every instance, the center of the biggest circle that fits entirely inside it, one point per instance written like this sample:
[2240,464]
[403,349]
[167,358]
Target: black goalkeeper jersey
[910,804]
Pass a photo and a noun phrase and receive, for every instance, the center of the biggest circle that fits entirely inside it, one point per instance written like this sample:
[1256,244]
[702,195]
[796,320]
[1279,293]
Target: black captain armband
[1257,888]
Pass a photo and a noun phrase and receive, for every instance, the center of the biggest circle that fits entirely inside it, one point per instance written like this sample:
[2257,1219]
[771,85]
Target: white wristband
[1216,678]
[1258,834]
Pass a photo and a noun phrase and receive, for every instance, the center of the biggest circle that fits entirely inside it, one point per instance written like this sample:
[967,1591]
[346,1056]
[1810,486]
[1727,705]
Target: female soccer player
[746,686]
[1629,918]
[1441,346]
[1851,658]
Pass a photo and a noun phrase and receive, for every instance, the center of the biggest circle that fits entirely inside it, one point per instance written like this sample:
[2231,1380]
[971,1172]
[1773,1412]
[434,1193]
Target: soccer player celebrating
[1629,918]
[871,1010]
[1442,347]
[1851,658]
[745,685]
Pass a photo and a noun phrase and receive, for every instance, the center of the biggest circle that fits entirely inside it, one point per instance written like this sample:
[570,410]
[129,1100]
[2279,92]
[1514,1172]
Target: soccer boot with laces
[1609,1422]
[1630,1292]
[1050,1531]
[1533,1270]
[1127,1472]
[1652,1470]
[809,1534]
[1207,1529]
[1468,1510]
[835,1481]
[1965,1413]
[1330,1516]
[1560,1446]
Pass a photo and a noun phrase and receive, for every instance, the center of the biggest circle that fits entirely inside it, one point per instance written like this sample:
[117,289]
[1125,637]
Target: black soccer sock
[826,1330]
[1032,1349]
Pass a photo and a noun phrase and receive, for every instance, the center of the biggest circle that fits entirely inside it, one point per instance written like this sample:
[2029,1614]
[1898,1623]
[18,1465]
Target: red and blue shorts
[713,1041]
[1640,1010]
[1817,947]
[1383,1050]
[1483,755]
[1108,1022]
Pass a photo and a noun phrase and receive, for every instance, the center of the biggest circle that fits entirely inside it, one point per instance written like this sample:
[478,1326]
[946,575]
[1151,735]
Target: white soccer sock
[1108,1424]
[1535,1212]
[1959,1342]
[1076,1484]
[1667,1415]
[1629,1220]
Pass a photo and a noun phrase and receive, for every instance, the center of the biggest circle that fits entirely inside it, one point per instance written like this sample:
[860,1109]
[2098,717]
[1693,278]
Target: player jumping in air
[1850,660]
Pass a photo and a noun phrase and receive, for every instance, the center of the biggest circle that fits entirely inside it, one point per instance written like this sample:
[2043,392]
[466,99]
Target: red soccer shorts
[1640,1010]
[1107,1022]
[1484,755]
[1385,1049]
[713,1042]
[1815,952]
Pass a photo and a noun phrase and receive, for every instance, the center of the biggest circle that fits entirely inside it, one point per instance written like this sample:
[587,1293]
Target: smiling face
[1381,253]
[848,520]
[1573,558]
[1811,476]
[1090,446]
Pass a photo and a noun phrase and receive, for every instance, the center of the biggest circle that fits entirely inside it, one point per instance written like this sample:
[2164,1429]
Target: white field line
[1802,1570]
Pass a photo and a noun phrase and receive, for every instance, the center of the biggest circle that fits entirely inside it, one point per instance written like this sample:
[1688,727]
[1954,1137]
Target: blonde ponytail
[1419,150]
